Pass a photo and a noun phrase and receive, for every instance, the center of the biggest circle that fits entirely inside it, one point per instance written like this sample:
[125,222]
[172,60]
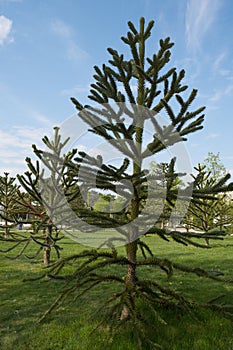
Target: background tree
[214,165]
[103,204]
[40,181]
[208,213]
[40,201]
[29,215]
[123,127]
[8,203]
[166,183]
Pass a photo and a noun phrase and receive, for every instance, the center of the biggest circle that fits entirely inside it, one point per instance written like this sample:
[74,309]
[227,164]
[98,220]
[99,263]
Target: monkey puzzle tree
[49,172]
[40,201]
[164,178]
[8,202]
[120,116]
[208,213]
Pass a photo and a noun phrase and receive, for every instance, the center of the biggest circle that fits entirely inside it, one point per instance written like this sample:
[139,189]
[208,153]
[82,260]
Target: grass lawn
[69,326]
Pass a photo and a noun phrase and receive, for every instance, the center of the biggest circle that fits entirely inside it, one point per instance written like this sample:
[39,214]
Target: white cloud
[62,29]
[226,73]
[16,145]
[200,15]
[74,52]
[218,96]
[212,136]
[229,90]
[191,66]
[75,90]
[194,145]
[67,34]
[218,61]
[5,29]
[86,89]
[218,66]
[42,119]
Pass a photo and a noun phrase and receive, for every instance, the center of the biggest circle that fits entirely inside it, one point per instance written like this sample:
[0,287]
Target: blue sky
[48,49]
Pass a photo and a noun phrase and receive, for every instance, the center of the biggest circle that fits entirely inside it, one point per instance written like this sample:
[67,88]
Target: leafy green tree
[123,126]
[214,165]
[103,204]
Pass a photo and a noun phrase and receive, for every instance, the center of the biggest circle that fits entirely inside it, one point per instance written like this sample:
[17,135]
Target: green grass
[69,326]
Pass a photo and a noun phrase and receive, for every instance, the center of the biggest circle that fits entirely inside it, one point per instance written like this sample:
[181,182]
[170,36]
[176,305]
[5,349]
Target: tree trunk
[207,240]
[130,280]
[206,227]
[47,249]
[6,230]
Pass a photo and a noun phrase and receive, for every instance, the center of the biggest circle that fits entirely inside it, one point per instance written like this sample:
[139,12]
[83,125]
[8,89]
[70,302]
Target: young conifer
[128,93]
